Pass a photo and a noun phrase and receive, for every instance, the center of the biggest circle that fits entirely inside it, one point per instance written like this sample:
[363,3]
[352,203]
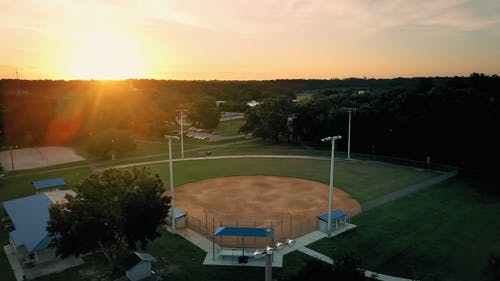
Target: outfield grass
[364,181]
[442,233]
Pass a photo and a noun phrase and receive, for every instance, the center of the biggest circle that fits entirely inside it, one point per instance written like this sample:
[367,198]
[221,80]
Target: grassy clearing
[230,127]
[442,233]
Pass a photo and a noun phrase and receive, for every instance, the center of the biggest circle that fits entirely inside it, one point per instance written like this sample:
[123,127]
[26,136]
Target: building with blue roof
[338,218]
[265,235]
[29,217]
[49,184]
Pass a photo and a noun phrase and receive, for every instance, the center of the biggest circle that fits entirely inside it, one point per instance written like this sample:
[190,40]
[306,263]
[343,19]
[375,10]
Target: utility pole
[182,130]
[350,110]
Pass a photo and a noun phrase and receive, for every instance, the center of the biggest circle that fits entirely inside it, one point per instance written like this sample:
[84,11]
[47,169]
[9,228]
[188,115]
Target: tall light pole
[330,196]
[172,212]
[182,130]
[113,152]
[11,149]
[350,110]
[267,252]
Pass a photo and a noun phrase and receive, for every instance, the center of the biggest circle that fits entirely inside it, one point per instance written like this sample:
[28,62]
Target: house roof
[244,231]
[30,216]
[335,215]
[137,258]
[48,183]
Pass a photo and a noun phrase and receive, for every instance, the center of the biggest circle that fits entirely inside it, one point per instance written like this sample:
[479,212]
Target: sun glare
[104,55]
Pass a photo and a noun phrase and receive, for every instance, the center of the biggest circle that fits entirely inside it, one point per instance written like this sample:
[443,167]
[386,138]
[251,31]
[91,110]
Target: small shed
[138,266]
[180,217]
[338,218]
[48,184]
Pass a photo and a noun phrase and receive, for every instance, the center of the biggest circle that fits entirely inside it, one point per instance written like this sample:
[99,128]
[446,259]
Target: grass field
[442,233]
[365,181]
[184,261]
[230,127]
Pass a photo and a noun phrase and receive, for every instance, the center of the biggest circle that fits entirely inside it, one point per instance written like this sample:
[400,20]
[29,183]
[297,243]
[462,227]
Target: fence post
[282,234]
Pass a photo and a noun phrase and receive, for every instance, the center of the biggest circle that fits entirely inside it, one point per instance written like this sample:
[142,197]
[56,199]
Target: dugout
[243,253]
[48,184]
[338,219]
[180,218]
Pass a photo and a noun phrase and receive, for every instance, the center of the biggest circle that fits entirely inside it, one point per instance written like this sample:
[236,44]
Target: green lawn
[442,233]
[230,127]
[365,181]
[182,261]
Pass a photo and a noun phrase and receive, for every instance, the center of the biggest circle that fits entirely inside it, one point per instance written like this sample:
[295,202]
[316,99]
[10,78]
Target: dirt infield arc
[290,205]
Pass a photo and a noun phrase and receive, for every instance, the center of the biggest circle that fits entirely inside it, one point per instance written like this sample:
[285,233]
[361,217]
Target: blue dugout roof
[48,183]
[244,231]
[335,215]
[178,213]
[29,215]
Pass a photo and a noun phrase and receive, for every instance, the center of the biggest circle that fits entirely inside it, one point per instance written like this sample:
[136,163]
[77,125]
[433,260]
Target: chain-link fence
[285,225]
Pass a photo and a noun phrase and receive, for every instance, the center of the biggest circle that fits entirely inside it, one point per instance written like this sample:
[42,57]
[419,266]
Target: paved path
[406,191]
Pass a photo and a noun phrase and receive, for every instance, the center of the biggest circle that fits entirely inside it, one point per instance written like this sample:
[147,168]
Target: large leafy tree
[269,119]
[113,212]
[204,113]
[104,144]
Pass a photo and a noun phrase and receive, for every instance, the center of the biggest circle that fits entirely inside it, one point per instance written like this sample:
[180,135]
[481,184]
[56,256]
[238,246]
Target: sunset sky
[248,39]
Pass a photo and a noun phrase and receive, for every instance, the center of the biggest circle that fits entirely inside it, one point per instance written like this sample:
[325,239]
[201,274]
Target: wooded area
[450,119]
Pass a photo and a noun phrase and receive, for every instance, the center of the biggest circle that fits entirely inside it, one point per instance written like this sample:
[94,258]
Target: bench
[236,252]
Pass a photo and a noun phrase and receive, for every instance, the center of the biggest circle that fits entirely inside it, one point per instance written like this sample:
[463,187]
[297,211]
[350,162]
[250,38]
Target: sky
[248,39]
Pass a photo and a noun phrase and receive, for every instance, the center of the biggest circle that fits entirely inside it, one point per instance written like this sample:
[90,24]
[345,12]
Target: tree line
[450,119]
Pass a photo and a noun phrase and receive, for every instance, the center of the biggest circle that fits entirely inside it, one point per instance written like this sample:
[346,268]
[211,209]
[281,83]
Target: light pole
[11,148]
[172,212]
[113,152]
[268,251]
[350,110]
[330,196]
[182,131]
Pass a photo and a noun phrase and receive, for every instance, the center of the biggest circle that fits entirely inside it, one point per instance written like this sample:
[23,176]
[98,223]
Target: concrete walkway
[300,245]
[407,191]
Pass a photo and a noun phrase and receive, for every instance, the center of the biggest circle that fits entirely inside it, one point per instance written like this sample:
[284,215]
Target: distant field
[442,233]
[230,127]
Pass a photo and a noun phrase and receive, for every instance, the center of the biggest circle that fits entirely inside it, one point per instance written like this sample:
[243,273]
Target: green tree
[112,213]
[492,269]
[269,118]
[104,144]
[204,113]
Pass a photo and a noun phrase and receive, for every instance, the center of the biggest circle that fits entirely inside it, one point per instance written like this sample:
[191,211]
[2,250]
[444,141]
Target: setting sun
[104,55]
